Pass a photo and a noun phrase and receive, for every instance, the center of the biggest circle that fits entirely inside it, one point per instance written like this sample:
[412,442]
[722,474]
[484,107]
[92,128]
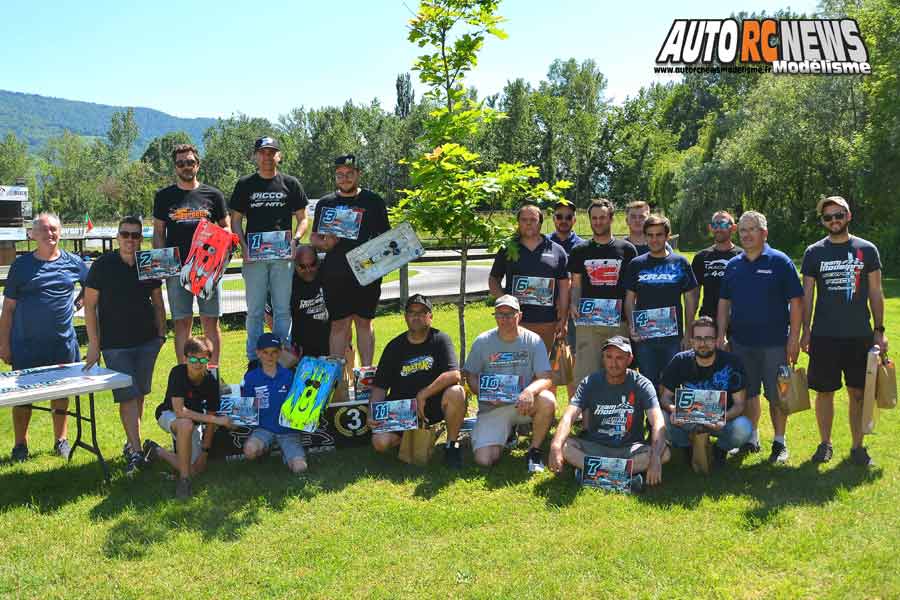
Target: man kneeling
[270,384]
[512,363]
[613,403]
[421,364]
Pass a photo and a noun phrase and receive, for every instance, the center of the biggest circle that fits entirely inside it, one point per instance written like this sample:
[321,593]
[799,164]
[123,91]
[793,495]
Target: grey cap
[508,300]
[622,343]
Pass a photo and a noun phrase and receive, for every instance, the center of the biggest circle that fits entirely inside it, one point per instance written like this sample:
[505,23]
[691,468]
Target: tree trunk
[462,305]
[404,284]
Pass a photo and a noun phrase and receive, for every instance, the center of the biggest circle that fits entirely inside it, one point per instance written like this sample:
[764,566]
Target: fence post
[404,284]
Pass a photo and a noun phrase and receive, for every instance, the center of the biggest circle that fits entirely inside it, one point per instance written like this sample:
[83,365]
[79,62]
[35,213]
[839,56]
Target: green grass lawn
[360,525]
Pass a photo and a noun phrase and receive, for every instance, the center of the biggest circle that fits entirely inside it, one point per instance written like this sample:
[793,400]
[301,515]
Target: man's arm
[183,412]
[876,304]
[159,234]
[92,326]
[657,445]
[793,343]
[737,407]
[159,311]
[563,429]
[237,226]
[574,295]
[6,319]
[666,401]
[442,382]
[472,381]
[809,294]
[690,310]
[723,314]
[302,224]
[562,309]
[225,222]
[630,299]
[494,287]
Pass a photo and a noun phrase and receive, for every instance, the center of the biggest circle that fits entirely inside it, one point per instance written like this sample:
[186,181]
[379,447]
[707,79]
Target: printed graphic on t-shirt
[507,360]
[843,276]
[599,312]
[416,365]
[720,380]
[185,215]
[268,200]
[664,274]
[314,307]
[533,291]
[656,322]
[714,268]
[498,388]
[603,271]
[341,221]
[615,420]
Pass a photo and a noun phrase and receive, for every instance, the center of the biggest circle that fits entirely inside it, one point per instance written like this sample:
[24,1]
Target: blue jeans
[735,434]
[654,355]
[267,279]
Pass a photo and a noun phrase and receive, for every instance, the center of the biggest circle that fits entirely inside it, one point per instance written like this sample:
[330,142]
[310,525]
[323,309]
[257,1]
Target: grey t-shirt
[524,357]
[614,414]
[842,286]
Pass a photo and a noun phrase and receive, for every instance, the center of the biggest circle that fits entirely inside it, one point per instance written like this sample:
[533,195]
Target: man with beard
[344,220]
[846,271]
[709,264]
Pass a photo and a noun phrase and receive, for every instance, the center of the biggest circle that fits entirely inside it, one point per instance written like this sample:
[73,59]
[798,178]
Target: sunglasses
[194,360]
[135,235]
[307,266]
[721,224]
[501,315]
[190,162]
[840,216]
[417,313]
[563,217]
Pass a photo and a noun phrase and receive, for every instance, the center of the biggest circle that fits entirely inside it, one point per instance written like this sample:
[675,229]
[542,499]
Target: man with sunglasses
[344,220]
[421,363]
[709,263]
[177,210]
[564,225]
[126,319]
[846,272]
[703,367]
[310,323]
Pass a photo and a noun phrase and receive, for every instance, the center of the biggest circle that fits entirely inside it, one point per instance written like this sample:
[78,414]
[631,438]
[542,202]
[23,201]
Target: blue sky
[215,58]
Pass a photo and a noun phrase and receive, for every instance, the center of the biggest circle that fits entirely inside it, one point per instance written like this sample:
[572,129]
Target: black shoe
[135,463]
[20,452]
[860,457]
[183,489]
[745,449]
[779,454]
[150,448]
[535,460]
[637,484]
[720,457]
[823,453]
[62,448]
[453,455]
[126,450]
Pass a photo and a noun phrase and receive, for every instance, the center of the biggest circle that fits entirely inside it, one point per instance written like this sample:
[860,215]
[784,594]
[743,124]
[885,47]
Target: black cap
[565,203]
[265,142]
[348,160]
[419,299]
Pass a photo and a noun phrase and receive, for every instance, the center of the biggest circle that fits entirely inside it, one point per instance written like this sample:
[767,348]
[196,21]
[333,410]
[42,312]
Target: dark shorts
[829,356]
[434,413]
[343,294]
[138,362]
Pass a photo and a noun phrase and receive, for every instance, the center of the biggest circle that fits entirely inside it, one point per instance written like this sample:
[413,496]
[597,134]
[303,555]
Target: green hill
[36,118]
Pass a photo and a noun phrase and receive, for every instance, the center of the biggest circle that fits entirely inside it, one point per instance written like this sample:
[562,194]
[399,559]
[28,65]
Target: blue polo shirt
[534,278]
[271,392]
[567,244]
[760,292]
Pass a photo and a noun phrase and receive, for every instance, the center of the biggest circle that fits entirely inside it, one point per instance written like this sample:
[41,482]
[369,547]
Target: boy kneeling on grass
[192,399]
[270,384]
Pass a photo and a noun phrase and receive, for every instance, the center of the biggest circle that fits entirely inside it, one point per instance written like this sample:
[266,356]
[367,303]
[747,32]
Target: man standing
[656,282]
[344,220]
[598,270]
[846,271]
[761,308]
[511,360]
[126,318]
[177,210]
[268,199]
[421,363]
[636,213]
[705,368]
[36,323]
[534,270]
[709,264]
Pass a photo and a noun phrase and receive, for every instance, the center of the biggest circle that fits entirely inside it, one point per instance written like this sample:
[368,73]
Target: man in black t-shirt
[709,264]
[310,323]
[344,220]
[421,363]
[268,200]
[126,319]
[177,210]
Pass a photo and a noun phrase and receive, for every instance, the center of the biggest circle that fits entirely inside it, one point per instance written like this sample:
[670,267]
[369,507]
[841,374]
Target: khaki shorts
[493,426]
[590,448]
[167,419]
[589,342]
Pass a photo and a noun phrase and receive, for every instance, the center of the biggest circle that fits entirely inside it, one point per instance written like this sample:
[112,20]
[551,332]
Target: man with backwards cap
[613,403]
[267,199]
[421,363]
[345,219]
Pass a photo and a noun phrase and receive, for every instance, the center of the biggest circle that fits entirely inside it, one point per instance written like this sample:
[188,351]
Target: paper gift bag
[348,381]
[869,391]
[416,446]
[562,363]
[793,391]
[886,384]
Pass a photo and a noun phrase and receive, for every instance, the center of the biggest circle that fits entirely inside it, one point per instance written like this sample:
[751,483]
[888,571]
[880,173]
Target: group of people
[627,371]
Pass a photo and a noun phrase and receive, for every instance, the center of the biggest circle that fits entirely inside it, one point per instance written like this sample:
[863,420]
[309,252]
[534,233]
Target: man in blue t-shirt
[36,323]
[761,308]
[270,384]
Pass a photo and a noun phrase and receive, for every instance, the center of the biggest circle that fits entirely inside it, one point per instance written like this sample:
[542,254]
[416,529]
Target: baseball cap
[268,340]
[508,300]
[564,203]
[348,160]
[265,142]
[419,299]
[831,200]
[622,343]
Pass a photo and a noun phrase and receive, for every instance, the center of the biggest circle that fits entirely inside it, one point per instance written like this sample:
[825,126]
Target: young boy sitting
[192,399]
[270,383]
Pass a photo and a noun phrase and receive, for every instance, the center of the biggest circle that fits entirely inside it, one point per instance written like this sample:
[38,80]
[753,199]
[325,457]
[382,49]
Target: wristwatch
[879,329]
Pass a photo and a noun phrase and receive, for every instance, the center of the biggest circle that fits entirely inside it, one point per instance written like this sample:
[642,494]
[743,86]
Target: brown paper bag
[869,391]
[416,446]
[886,384]
[793,391]
[562,363]
[348,381]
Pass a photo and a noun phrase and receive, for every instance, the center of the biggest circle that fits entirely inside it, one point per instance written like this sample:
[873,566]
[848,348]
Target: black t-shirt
[181,210]
[268,204]
[198,398]
[405,368]
[310,327]
[363,217]
[709,268]
[602,267]
[126,313]
[533,278]
[725,374]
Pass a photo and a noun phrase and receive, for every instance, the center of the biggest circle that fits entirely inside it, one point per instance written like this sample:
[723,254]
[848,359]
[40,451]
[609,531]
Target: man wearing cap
[421,363]
[761,309]
[344,220]
[267,199]
[612,403]
[512,363]
[270,384]
[846,272]
[709,263]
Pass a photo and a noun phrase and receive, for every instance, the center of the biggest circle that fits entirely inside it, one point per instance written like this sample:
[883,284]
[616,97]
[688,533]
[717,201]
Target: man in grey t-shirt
[509,371]
[613,402]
